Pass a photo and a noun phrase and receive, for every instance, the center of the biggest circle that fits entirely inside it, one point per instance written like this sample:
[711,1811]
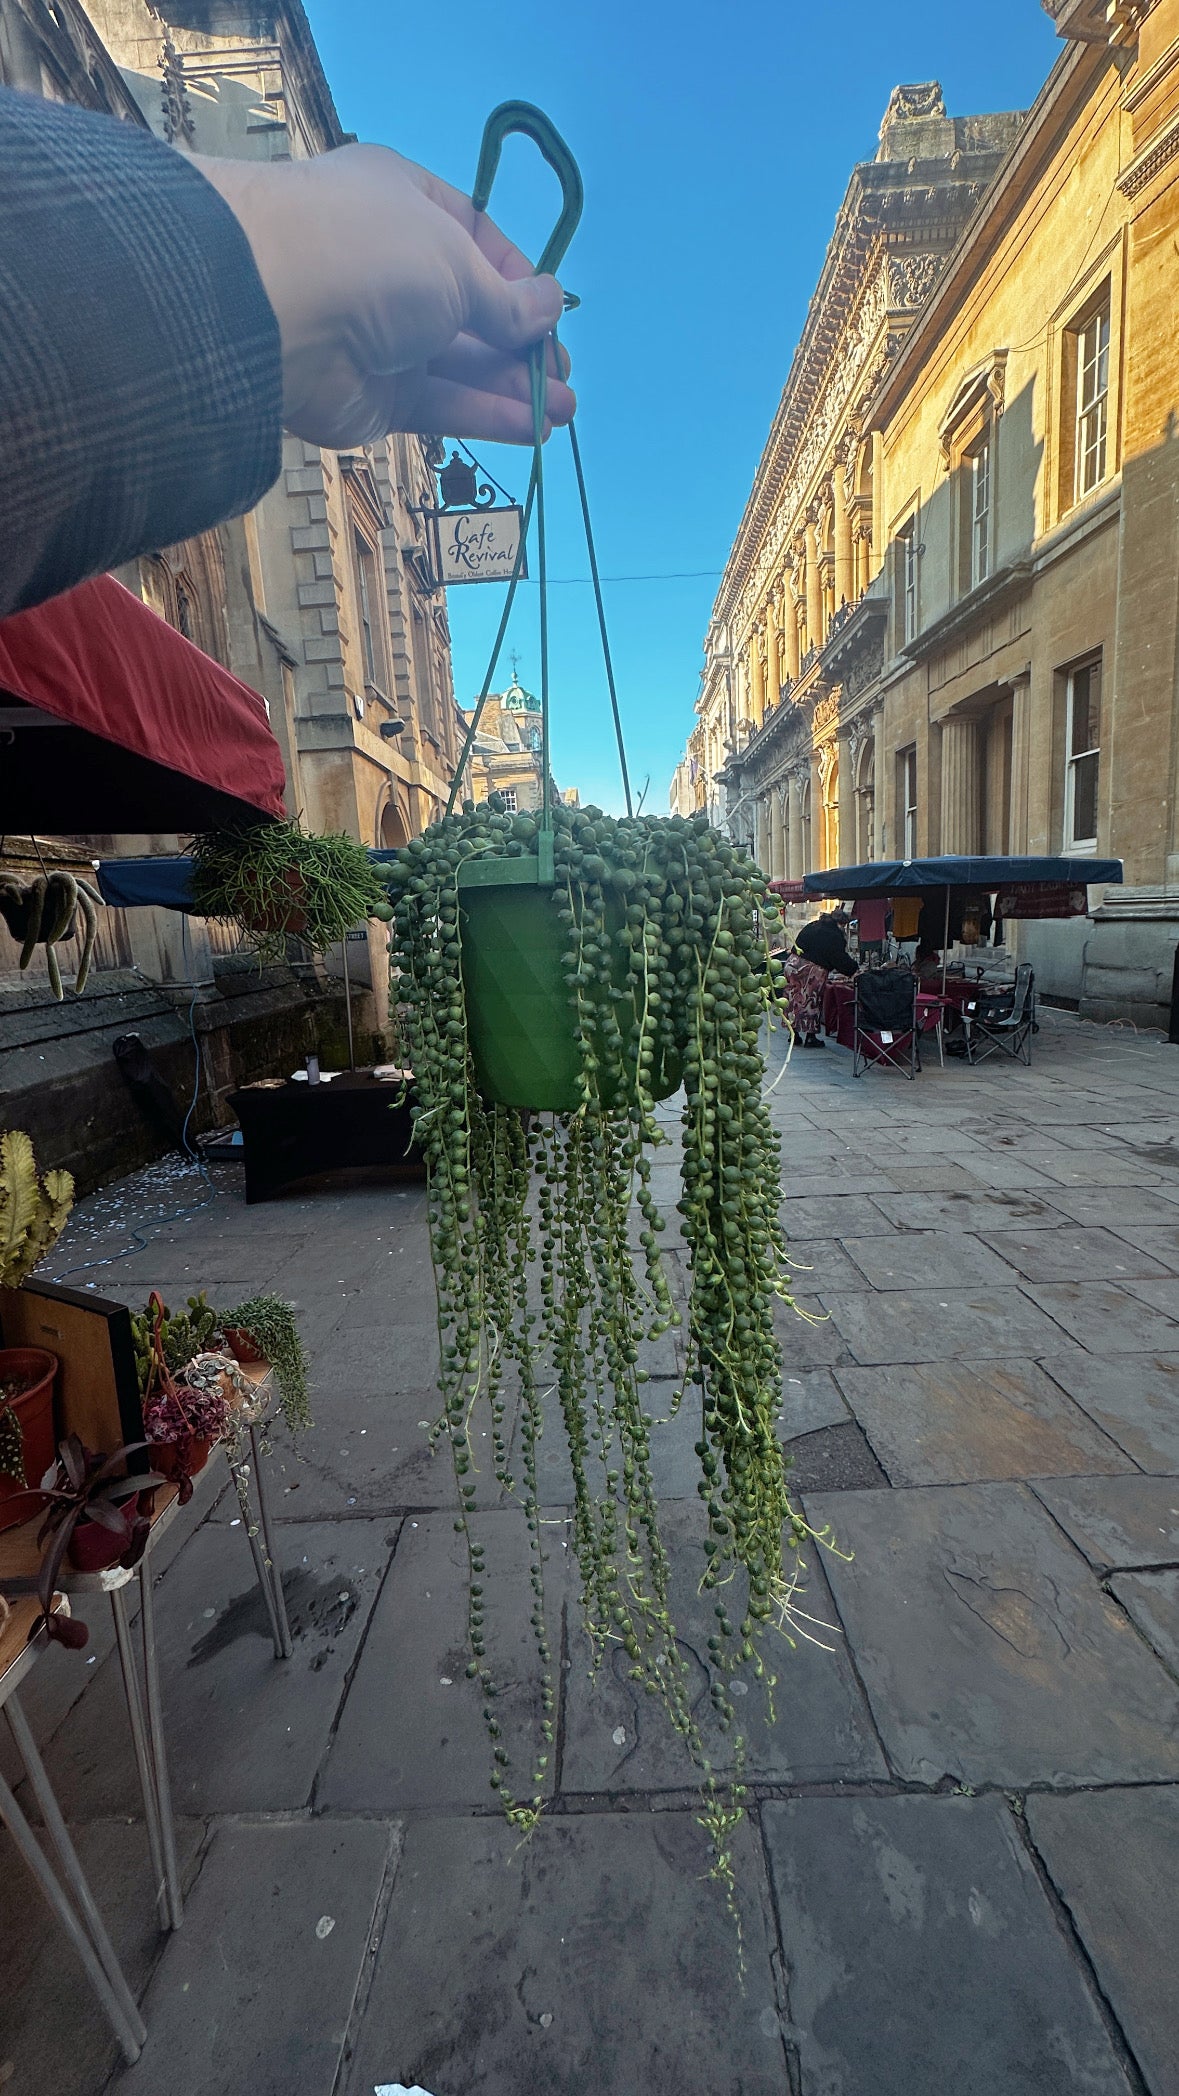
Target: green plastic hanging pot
[521,1017]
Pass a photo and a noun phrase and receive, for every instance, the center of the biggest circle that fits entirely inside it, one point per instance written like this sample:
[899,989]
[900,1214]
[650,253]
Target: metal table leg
[241,1479]
[132,2022]
[143,1762]
[158,1748]
[117,2005]
[283,1645]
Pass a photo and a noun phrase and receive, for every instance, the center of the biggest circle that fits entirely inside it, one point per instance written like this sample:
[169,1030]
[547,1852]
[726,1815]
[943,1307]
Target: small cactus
[33,1211]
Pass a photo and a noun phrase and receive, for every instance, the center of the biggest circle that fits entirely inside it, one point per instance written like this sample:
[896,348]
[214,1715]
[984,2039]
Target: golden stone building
[322,598]
[973,526]
[506,756]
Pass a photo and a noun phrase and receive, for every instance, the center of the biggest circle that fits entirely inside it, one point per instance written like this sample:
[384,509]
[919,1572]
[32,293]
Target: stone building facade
[322,598]
[506,757]
[1002,675]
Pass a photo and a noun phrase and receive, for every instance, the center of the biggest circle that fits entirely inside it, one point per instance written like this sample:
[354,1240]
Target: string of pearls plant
[547,1253]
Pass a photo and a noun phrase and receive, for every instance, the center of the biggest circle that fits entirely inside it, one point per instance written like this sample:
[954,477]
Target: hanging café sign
[473,540]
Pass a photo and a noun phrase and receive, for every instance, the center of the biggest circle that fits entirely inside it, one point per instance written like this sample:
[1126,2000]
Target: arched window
[830,830]
[866,802]
[394,830]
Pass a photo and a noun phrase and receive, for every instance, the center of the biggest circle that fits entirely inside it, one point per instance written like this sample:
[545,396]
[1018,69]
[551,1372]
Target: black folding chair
[886,1021]
[1005,1027]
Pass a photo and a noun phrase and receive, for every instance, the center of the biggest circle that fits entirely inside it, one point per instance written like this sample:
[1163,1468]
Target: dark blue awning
[904,876]
[135,884]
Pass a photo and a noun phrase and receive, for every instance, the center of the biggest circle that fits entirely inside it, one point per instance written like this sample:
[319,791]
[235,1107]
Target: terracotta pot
[173,1459]
[92,1547]
[282,918]
[34,1411]
[241,1346]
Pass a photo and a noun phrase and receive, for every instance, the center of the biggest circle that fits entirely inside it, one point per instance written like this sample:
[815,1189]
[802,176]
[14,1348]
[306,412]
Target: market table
[933,1007]
[291,1130]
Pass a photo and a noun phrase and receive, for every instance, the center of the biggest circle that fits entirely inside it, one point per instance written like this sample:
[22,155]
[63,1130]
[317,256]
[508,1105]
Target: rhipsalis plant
[276,879]
[546,1242]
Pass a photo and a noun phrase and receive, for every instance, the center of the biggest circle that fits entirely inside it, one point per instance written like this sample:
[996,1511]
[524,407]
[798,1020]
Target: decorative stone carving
[907,104]
[911,278]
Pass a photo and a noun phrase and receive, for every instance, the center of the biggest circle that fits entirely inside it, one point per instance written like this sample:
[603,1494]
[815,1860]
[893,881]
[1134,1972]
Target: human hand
[399,305]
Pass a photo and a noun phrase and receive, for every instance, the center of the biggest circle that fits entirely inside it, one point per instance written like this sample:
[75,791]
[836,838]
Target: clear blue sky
[716,143]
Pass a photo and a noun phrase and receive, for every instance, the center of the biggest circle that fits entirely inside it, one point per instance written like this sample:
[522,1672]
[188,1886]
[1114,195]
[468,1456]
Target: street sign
[477,545]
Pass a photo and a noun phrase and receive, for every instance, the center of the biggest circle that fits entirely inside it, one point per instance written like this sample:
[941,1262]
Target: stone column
[845,580]
[757,681]
[777,835]
[849,844]
[773,652]
[1021,757]
[814,590]
[790,620]
[761,834]
[961,795]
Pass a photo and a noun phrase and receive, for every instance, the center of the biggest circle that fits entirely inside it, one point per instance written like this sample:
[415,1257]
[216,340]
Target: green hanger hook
[534,124]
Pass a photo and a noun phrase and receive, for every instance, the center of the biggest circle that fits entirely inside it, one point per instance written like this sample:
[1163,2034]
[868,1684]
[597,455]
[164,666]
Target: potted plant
[263,1328]
[641,956]
[33,1214]
[98,1513]
[183,1414]
[277,880]
[27,1377]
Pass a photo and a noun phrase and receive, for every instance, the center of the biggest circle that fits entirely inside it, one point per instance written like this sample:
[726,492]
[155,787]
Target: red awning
[123,725]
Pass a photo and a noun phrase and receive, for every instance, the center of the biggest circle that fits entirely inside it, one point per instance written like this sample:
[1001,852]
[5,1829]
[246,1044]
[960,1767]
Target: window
[907,796]
[1082,731]
[366,591]
[907,580]
[507,795]
[978,487]
[1092,383]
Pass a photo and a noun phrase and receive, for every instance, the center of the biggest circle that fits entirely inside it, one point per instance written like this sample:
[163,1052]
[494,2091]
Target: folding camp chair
[1007,1027]
[886,1021]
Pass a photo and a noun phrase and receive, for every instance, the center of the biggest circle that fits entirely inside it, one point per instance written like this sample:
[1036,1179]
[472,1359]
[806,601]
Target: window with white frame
[978,491]
[507,795]
[907,782]
[1092,396]
[907,580]
[366,593]
[1082,741]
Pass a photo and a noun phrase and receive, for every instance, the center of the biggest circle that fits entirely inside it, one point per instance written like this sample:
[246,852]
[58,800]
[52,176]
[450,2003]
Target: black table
[291,1130]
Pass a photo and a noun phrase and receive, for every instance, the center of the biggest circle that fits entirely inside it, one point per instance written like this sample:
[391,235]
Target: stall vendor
[820,950]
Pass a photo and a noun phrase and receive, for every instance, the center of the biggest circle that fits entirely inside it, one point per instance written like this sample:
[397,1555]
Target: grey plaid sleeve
[140,371]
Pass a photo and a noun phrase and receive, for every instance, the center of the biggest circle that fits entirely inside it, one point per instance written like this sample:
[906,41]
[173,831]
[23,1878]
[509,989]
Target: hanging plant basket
[522,1009]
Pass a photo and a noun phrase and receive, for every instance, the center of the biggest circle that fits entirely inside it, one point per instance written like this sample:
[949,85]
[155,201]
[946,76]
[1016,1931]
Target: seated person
[820,950]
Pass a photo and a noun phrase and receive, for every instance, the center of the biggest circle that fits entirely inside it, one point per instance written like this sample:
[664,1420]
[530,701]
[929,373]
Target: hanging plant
[263,1327]
[276,880]
[647,961]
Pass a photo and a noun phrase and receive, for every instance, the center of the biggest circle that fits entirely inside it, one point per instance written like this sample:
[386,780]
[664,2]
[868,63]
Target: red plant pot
[92,1547]
[34,1411]
[173,1459]
[241,1346]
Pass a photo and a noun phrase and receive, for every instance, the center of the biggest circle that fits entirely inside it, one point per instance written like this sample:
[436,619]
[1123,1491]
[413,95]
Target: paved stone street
[959,1873]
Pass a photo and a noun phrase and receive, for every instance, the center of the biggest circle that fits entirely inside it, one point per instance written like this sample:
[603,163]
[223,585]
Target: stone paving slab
[823,1262]
[987,1650]
[932,1259]
[949,1422]
[1111,1855]
[810,1337]
[1109,1207]
[1116,1521]
[375,1358]
[923,1956]
[969,1209]
[1151,1600]
[932,1324]
[53,2036]
[1159,1242]
[619,1740]
[1104,1169]
[1136,1400]
[1074,1255]
[368,1454]
[411,1733]
[592,1960]
[837,1215]
[1105,1318]
[1159,1294]
[256,1990]
[245,1731]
